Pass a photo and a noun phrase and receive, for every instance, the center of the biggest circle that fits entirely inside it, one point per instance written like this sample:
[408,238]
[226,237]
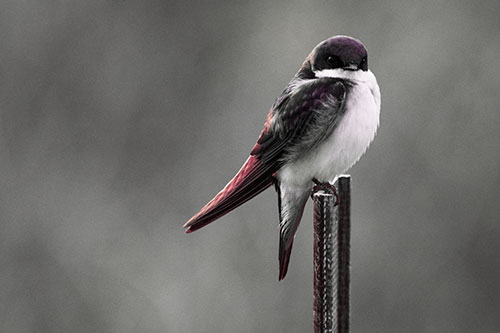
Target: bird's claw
[327,187]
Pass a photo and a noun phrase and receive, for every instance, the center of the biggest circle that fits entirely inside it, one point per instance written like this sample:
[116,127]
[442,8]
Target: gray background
[120,119]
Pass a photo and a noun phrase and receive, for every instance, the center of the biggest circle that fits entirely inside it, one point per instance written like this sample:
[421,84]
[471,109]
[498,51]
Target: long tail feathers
[292,203]
[253,178]
[284,257]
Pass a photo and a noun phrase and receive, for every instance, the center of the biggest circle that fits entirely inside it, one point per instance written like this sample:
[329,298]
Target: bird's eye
[333,61]
[364,64]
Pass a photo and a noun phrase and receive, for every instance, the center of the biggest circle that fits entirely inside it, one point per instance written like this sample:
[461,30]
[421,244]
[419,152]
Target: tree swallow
[318,127]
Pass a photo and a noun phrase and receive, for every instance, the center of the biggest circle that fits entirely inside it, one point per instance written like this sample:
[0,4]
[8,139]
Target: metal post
[332,230]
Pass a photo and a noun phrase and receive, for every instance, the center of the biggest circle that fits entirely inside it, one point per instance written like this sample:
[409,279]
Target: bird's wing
[253,178]
[283,129]
[326,102]
[301,118]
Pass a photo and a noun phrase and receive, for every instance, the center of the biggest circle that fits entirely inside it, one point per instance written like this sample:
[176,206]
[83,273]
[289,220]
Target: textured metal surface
[325,263]
[331,259]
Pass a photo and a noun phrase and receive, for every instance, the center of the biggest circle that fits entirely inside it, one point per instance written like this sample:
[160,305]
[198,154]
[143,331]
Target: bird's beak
[351,67]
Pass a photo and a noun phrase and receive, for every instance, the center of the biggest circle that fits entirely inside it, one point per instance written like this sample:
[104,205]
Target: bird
[317,128]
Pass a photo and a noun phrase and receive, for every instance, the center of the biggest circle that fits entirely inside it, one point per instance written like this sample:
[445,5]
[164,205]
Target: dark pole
[332,231]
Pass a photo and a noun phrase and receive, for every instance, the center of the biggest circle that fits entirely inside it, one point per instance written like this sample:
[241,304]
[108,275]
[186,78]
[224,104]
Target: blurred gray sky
[120,119]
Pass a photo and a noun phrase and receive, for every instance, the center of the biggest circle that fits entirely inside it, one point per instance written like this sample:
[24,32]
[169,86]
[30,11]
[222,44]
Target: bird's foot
[327,187]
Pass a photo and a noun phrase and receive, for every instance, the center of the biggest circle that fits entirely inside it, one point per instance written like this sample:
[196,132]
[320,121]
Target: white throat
[340,73]
[359,76]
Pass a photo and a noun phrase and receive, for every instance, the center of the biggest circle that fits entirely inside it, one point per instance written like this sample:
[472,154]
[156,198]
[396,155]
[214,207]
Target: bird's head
[341,52]
[334,55]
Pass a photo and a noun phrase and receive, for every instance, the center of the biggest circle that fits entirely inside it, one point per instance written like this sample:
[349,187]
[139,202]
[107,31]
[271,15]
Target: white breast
[351,137]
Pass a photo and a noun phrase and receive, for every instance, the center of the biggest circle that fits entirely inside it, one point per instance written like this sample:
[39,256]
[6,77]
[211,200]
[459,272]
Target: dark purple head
[340,52]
